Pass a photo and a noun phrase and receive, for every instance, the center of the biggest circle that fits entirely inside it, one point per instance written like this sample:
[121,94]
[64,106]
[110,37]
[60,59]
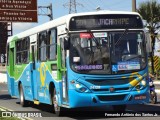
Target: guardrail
[2,67]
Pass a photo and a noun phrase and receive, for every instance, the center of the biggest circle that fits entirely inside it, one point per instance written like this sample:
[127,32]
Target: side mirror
[66,43]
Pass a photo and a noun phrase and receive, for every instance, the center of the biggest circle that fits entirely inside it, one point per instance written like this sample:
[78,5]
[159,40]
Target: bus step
[36,102]
[13,96]
[66,106]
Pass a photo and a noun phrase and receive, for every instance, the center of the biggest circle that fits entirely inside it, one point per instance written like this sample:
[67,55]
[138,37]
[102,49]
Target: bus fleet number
[95,87]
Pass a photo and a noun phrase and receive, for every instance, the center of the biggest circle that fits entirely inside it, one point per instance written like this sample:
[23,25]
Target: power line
[46,11]
[88,5]
[72,5]
[92,3]
[104,4]
[111,6]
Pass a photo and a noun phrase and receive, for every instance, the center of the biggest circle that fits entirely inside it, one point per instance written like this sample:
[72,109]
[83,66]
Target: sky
[82,6]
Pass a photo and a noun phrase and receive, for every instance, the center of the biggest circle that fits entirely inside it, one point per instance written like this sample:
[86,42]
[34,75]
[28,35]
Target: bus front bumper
[77,99]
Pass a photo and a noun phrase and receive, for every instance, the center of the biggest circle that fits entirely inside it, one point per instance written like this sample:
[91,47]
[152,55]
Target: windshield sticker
[114,68]
[102,34]
[89,67]
[139,38]
[85,35]
[76,59]
[128,65]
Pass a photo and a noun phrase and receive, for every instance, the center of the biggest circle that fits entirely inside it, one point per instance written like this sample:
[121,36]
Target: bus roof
[64,20]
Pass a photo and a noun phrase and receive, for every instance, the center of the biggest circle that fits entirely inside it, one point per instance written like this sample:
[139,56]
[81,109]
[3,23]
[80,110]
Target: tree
[150,11]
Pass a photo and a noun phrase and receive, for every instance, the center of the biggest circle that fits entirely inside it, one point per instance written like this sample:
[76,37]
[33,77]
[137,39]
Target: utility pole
[133,5]
[153,37]
[72,5]
[46,11]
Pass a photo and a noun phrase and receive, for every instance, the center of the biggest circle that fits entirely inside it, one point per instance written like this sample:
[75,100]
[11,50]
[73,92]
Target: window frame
[49,45]
[22,49]
[40,47]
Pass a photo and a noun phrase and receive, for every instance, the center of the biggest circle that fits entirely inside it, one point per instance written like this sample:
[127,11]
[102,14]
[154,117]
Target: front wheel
[58,110]
[119,108]
[153,96]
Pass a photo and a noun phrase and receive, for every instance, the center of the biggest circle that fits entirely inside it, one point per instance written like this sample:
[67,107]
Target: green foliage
[9,118]
[150,11]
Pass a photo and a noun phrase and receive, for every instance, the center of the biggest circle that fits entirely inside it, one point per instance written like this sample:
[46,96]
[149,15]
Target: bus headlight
[141,85]
[80,87]
[77,85]
[143,82]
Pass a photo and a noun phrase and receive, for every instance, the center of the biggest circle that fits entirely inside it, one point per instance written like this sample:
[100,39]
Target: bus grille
[107,90]
[110,82]
[111,97]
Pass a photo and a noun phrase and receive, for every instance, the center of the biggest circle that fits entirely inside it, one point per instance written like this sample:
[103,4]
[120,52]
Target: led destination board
[105,22]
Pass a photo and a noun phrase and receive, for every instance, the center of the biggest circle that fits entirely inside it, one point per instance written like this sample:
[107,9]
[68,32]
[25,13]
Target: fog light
[83,89]
[138,87]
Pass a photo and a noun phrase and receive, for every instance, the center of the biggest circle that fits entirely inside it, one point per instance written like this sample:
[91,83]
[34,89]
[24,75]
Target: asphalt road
[84,113]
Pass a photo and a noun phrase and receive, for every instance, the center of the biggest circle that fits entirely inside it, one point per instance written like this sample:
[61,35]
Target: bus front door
[63,70]
[34,72]
[11,79]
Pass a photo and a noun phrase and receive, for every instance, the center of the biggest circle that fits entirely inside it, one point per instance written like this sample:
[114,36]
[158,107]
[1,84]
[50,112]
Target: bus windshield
[107,52]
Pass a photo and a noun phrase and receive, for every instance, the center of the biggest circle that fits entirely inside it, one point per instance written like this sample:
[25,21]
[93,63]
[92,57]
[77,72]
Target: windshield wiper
[96,41]
[120,38]
[130,57]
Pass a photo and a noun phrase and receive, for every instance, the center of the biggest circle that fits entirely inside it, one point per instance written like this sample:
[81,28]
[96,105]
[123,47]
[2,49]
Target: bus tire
[153,97]
[119,108]
[23,102]
[57,109]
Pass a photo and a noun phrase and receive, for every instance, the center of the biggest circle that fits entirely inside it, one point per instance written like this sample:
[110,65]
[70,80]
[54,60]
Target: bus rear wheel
[58,110]
[23,102]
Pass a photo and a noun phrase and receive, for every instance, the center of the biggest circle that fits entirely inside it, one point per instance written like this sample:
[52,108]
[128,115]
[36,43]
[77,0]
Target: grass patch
[9,118]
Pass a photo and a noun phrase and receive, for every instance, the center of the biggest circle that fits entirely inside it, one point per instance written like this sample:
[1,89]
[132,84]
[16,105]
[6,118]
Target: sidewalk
[157,82]
[3,78]
[2,68]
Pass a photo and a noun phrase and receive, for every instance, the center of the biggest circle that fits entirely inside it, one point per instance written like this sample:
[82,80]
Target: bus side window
[25,51]
[18,52]
[42,46]
[22,51]
[52,45]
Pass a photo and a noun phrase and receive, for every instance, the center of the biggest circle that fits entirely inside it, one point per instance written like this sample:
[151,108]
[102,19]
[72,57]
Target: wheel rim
[55,101]
[153,98]
[21,96]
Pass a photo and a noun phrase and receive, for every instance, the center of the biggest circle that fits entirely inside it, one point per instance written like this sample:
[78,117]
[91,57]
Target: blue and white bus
[81,60]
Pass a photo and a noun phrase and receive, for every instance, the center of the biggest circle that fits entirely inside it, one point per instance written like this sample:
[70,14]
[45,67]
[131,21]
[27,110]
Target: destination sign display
[18,11]
[105,22]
